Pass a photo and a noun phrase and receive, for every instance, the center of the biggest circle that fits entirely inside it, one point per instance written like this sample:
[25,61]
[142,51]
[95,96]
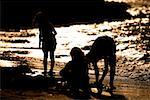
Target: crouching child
[75,72]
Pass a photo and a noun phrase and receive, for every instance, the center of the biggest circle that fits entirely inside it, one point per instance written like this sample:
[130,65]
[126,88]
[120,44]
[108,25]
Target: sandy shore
[127,89]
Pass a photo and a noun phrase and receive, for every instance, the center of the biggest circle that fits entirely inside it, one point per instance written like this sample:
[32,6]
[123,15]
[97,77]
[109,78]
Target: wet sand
[126,90]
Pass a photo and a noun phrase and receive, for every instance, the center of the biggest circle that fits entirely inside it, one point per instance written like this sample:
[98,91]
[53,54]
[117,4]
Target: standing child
[47,38]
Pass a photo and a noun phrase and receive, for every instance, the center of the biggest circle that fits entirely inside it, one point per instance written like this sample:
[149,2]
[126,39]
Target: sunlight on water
[132,1]
[6,63]
[134,11]
[75,36]
[36,30]
[69,37]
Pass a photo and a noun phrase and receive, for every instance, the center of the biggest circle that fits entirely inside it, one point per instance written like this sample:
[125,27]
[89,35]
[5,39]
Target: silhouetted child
[104,47]
[47,38]
[76,72]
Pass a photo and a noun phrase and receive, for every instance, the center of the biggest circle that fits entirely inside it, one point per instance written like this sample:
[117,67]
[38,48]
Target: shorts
[49,44]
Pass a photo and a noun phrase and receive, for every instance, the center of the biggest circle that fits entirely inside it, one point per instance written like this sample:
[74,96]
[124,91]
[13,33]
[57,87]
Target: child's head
[76,53]
[40,16]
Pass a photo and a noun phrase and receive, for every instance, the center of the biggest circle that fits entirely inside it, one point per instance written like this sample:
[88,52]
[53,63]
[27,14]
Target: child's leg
[86,88]
[52,61]
[105,70]
[112,64]
[45,62]
[96,71]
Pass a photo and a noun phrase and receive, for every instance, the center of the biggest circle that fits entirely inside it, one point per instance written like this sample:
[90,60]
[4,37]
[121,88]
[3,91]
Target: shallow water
[78,36]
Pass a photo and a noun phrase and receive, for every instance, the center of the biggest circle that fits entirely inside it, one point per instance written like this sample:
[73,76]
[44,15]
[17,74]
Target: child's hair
[40,15]
[76,53]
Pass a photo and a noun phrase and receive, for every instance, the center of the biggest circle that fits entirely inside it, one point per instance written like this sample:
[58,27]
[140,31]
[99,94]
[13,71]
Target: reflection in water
[81,36]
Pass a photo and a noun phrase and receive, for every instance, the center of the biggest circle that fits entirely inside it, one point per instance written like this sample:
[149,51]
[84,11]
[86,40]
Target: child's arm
[53,29]
[55,33]
[67,69]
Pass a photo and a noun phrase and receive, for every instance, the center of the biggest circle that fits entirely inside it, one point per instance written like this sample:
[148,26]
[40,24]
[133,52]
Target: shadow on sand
[17,78]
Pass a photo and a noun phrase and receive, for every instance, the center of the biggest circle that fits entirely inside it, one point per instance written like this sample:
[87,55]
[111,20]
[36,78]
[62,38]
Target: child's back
[76,70]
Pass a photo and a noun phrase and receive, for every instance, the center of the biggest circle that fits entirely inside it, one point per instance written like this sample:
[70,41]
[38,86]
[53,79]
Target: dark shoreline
[19,14]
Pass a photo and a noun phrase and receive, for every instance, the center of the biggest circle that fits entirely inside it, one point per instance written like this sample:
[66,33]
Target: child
[76,72]
[47,38]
